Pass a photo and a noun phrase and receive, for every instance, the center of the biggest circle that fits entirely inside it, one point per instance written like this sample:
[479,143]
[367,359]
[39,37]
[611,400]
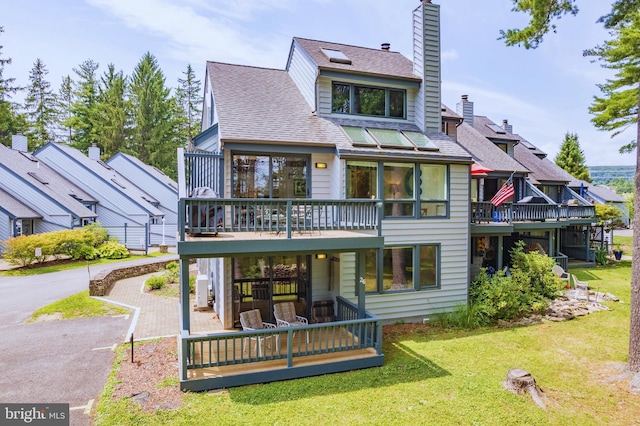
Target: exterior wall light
[321,165]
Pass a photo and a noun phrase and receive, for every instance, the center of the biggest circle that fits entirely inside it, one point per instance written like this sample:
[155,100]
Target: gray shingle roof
[542,169]
[486,152]
[16,208]
[265,106]
[606,194]
[57,187]
[480,123]
[153,171]
[363,60]
[107,174]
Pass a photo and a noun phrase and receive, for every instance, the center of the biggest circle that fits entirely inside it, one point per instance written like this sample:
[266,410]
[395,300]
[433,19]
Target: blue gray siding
[303,71]
[426,64]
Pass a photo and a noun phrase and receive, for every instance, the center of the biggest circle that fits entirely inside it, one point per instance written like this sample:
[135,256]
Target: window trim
[387,100]
[415,275]
[306,157]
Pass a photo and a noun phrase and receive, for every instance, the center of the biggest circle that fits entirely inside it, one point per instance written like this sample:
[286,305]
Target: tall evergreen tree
[571,158]
[155,117]
[190,100]
[84,112]
[617,109]
[65,102]
[11,120]
[40,104]
[112,112]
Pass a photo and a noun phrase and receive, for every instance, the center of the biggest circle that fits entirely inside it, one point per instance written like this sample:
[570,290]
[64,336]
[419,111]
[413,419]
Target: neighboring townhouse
[336,186]
[35,198]
[124,209]
[544,211]
[601,194]
[152,181]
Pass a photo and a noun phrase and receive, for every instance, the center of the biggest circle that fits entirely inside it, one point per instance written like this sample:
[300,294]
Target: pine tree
[189,99]
[65,102]
[40,104]
[571,158]
[84,112]
[617,109]
[112,112]
[155,117]
[11,120]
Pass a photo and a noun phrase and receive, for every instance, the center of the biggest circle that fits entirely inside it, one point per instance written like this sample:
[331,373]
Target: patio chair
[582,289]
[285,314]
[559,272]
[251,321]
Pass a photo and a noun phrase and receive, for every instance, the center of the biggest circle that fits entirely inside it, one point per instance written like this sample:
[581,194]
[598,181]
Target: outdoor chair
[559,272]
[323,311]
[582,289]
[251,321]
[285,314]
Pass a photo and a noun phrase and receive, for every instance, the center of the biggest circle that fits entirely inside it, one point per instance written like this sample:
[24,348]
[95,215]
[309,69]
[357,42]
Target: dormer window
[367,100]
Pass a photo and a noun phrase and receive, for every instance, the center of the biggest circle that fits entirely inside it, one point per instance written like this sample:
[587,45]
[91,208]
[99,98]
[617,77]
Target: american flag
[504,193]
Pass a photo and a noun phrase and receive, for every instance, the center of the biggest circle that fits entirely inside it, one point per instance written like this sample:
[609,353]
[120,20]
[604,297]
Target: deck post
[360,282]
[184,294]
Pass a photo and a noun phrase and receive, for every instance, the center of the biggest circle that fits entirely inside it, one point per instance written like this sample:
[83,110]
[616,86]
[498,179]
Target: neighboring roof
[364,60]
[153,171]
[486,152]
[449,113]
[242,91]
[605,194]
[112,177]
[47,181]
[537,151]
[15,208]
[542,169]
[483,125]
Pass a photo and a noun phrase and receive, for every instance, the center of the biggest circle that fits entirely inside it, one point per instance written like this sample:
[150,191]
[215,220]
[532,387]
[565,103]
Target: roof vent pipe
[385,46]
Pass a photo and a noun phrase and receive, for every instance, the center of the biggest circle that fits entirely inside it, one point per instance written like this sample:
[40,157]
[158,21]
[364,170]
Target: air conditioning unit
[202,291]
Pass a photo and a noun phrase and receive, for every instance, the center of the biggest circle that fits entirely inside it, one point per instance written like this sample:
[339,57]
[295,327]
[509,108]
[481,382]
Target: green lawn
[79,305]
[437,376]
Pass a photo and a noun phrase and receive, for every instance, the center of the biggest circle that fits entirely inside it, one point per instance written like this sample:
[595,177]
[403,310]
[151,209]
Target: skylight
[359,136]
[496,128]
[390,138]
[336,56]
[421,141]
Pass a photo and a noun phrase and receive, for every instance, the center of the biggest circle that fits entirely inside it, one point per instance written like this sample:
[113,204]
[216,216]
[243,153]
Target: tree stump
[520,382]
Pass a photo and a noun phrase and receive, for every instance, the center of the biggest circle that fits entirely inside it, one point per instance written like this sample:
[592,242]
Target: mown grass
[626,243]
[56,267]
[77,306]
[440,376]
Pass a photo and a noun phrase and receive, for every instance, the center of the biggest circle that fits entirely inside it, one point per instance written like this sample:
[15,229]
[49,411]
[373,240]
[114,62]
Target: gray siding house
[122,203]
[336,185]
[35,198]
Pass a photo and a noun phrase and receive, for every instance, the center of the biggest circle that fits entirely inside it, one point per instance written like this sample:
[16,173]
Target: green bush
[526,291]
[192,284]
[156,282]
[112,250]
[173,272]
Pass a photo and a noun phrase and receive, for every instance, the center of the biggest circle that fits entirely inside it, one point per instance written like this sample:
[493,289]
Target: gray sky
[544,93]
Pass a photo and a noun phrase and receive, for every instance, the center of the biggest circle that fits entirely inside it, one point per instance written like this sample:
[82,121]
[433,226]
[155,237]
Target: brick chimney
[464,108]
[426,65]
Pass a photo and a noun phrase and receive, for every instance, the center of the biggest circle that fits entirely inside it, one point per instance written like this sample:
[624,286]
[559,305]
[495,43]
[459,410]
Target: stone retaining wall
[102,283]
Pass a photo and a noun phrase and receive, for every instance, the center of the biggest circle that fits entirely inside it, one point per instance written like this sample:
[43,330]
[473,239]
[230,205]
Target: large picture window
[405,268]
[366,100]
[269,176]
[433,190]
[362,179]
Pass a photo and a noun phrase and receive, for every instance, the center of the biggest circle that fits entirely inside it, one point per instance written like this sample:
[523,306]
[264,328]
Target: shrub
[156,282]
[527,290]
[112,250]
[173,272]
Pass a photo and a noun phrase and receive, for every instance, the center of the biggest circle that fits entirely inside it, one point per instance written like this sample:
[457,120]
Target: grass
[77,306]
[626,243]
[45,269]
[442,376]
